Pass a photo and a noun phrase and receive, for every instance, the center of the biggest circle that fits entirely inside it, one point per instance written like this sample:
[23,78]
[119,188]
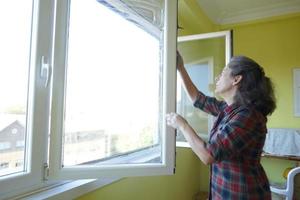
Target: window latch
[46,171]
[45,72]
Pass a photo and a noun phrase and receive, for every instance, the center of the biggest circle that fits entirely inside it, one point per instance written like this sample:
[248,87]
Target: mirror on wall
[204,56]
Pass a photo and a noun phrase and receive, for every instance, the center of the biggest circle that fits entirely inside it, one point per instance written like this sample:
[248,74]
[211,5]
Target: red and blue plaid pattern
[236,142]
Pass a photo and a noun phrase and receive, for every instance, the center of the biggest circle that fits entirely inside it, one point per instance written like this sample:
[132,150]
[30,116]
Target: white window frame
[56,171]
[38,101]
[228,54]
[46,54]
[203,36]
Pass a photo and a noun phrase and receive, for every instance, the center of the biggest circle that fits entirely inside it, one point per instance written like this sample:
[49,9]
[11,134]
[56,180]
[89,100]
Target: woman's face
[224,82]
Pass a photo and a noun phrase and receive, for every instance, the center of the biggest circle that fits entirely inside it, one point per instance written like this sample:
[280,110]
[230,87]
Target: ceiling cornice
[222,16]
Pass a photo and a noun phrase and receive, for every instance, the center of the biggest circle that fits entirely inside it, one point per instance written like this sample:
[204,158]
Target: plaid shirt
[235,142]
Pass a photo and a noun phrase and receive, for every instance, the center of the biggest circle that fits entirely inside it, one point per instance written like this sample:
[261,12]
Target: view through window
[201,75]
[14,68]
[113,84]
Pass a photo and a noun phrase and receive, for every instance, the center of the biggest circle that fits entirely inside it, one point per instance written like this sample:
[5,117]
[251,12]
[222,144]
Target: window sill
[203,136]
[183,144]
[70,190]
[75,188]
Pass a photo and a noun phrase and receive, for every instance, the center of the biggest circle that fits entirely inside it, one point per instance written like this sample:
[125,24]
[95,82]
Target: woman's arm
[207,104]
[197,144]
[189,86]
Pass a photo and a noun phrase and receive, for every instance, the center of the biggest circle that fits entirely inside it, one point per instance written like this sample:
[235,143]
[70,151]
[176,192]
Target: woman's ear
[237,79]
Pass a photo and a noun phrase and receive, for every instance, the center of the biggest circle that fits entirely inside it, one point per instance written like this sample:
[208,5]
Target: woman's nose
[217,78]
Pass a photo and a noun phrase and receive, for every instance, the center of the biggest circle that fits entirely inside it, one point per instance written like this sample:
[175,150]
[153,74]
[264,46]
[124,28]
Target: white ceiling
[233,11]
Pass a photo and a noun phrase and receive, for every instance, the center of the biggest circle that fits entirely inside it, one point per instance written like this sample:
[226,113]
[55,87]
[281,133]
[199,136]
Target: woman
[238,135]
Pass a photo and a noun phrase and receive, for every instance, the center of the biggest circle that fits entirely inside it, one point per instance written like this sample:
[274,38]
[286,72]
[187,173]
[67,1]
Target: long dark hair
[255,89]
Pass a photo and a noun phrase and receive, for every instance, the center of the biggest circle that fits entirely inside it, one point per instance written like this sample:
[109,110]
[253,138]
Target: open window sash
[154,158]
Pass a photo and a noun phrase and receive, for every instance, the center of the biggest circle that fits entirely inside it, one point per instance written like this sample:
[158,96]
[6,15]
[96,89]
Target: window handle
[45,72]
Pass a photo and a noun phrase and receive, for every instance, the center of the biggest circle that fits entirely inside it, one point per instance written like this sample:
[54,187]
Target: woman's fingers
[173,120]
[170,119]
[179,60]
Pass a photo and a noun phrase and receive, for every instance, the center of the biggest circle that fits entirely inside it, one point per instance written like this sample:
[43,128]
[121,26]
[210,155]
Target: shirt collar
[230,108]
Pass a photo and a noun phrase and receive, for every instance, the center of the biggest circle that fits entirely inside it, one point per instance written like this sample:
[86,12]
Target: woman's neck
[229,97]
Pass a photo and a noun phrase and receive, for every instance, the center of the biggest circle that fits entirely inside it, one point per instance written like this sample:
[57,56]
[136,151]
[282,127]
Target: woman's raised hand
[179,61]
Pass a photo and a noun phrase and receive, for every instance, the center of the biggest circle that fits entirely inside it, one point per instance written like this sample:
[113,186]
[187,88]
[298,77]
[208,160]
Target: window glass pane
[203,60]
[113,86]
[15,21]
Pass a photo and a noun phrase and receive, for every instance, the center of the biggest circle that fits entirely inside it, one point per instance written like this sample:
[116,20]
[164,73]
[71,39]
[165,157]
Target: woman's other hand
[175,120]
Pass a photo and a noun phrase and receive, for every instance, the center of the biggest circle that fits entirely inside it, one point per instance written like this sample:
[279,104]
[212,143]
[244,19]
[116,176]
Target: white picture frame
[296,75]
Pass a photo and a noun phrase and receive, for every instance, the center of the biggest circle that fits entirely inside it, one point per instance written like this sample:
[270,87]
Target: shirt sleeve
[208,104]
[233,136]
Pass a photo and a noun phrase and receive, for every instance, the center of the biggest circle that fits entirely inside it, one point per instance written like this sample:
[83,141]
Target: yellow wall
[181,186]
[192,19]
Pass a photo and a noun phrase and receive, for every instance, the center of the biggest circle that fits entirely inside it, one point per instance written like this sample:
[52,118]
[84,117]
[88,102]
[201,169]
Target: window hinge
[46,171]
[174,169]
